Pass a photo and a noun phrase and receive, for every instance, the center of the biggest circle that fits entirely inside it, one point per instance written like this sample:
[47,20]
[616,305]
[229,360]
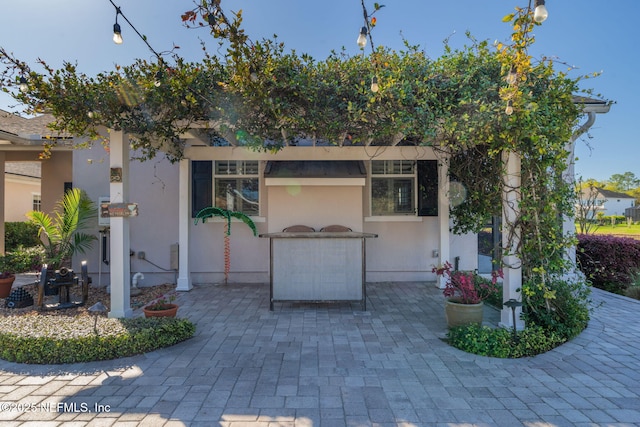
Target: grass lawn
[618,230]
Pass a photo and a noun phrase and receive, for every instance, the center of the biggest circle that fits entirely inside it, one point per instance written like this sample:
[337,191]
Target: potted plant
[6,282]
[465,295]
[162,307]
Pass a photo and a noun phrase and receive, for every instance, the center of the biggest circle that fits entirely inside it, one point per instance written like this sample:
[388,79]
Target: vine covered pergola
[499,120]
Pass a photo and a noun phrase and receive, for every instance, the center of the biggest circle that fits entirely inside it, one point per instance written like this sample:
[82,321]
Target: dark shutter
[201,185]
[427,188]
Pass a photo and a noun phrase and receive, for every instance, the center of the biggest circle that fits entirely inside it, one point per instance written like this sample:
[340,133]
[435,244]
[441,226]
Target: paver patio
[306,365]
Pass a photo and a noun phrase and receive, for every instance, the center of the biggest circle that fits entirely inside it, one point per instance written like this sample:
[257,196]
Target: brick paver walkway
[337,366]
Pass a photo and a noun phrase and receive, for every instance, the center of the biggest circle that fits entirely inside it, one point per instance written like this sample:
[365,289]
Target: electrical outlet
[141,255]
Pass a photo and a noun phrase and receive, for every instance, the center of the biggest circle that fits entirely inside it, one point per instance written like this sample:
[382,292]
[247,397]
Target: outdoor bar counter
[317,266]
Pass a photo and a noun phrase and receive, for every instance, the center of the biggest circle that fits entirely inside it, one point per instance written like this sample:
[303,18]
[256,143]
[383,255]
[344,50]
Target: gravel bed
[29,321]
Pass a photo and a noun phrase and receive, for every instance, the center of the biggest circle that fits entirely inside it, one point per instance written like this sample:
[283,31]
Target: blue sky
[592,35]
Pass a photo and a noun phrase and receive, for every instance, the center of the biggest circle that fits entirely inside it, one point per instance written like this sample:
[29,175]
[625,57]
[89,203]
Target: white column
[568,218]
[184,222]
[120,247]
[511,234]
[2,196]
[443,216]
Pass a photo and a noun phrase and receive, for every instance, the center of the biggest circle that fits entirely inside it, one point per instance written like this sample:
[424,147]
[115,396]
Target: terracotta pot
[463,314]
[5,286]
[170,311]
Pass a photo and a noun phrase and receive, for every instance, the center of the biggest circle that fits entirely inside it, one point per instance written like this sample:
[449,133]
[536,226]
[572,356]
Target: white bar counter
[317,266]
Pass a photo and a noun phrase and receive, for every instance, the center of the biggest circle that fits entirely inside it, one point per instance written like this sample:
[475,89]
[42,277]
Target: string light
[512,77]
[117,31]
[509,110]
[362,38]
[24,86]
[540,13]
[374,84]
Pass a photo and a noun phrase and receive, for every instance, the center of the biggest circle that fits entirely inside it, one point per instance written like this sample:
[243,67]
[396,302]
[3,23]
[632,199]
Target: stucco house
[398,192]
[21,142]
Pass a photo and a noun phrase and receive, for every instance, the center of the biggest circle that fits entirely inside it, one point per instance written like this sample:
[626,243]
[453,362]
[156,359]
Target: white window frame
[241,166]
[389,165]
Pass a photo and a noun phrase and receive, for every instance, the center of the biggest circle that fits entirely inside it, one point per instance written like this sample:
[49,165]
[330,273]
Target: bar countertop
[319,235]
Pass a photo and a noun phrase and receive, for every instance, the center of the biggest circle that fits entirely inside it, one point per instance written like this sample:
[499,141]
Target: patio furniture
[335,228]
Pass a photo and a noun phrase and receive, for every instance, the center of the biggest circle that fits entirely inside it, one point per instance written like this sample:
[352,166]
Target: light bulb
[117,34]
[512,77]
[374,85]
[158,80]
[23,84]
[509,110]
[362,38]
[540,13]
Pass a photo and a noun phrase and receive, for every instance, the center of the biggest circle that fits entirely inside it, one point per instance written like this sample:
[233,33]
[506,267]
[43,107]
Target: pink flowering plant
[465,287]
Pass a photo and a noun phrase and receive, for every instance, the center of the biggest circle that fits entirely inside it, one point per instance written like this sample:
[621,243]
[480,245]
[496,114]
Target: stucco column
[443,216]
[2,229]
[511,234]
[184,222]
[120,246]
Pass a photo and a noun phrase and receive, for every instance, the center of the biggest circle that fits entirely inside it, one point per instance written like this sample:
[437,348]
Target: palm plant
[212,211]
[60,232]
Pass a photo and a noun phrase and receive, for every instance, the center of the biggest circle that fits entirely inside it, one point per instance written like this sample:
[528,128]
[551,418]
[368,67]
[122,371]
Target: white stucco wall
[154,186]
[402,252]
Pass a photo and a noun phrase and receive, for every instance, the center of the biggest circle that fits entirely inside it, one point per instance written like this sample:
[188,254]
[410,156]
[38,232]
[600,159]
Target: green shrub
[17,234]
[23,259]
[133,336]
[486,341]
[608,261]
[559,308]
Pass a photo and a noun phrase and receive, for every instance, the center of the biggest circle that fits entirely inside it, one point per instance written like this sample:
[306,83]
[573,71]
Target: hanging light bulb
[509,110]
[512,77]
[540,13]
[158,81]
[362,38]
[24,86]
[117,33]
[374,85]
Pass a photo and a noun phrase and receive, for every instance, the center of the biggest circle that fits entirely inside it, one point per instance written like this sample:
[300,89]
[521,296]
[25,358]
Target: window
[232,185]
[404,187]
[37,202]
[393,184]
[237,186]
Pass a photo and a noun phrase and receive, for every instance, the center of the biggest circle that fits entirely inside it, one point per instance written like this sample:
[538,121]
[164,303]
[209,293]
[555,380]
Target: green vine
[471,105]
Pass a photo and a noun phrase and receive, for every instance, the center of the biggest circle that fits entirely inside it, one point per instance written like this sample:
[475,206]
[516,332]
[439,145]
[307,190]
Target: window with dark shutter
[427,188]
[201,185]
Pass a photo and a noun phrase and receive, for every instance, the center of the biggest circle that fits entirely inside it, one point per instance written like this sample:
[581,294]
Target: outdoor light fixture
[540,13]
[374,85]
[158,80]
[513,304]
[362,38]
[509,110]
[23,84]
[512,77]
[117,33]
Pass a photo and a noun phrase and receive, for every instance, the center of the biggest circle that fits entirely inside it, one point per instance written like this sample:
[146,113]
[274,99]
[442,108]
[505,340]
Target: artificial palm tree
[212,211]
[60,232]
